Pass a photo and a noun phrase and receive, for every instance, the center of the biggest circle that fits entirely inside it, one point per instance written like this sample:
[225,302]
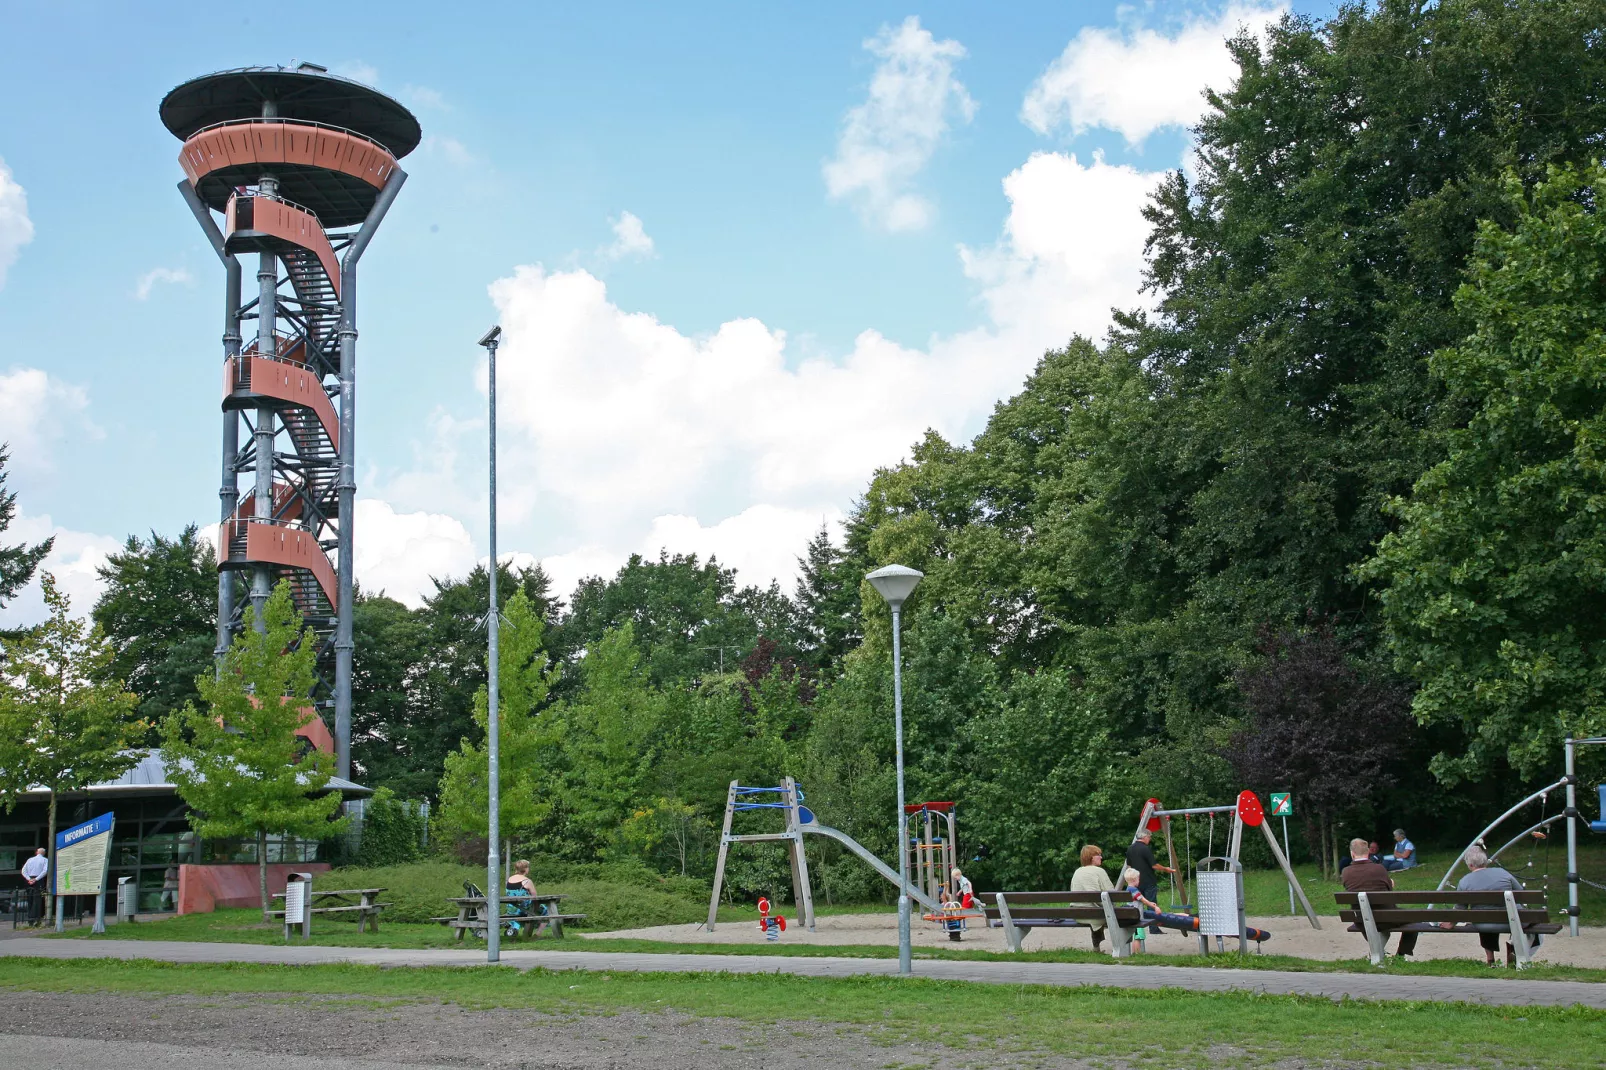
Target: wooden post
[802,893]
[724,848]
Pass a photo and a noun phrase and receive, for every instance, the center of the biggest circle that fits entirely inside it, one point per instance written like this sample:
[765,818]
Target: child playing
[1141,933]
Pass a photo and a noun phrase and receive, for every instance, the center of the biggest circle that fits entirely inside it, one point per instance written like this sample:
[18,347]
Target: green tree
[1497,573]
[65,722]
[527,740]
[450,669]
[827,599]
[237,762]
[159,609]
[18,562]
[393,734]
[606,730]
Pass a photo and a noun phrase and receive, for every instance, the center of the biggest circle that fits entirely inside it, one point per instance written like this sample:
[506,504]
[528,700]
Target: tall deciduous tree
[526,740]
[17,562]
[159,609]
[1497,575]
[827,598]
[1320,725]
[238,762]
[65,721]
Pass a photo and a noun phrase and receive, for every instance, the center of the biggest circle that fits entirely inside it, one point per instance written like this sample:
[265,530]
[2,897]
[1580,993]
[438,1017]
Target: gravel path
[45,1031]
[1336,986]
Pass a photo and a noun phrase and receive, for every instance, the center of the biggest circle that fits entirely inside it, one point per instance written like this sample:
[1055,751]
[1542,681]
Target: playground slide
[875,863]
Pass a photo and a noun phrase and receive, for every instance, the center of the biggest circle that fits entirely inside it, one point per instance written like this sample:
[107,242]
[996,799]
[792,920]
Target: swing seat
[1600,826]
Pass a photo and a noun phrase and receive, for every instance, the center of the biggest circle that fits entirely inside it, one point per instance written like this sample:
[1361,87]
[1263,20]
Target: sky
[743,256]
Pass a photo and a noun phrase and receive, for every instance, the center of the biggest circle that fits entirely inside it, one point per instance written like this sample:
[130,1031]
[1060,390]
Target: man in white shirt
[34,872]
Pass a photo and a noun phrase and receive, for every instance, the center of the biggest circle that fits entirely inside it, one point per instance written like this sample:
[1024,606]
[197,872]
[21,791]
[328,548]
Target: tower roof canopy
[306,92]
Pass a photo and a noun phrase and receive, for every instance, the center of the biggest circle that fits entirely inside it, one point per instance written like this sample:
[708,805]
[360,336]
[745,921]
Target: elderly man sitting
[1364,875]
[1483,876]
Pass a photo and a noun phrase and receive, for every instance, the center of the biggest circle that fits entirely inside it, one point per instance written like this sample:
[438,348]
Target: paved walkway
[1336,986]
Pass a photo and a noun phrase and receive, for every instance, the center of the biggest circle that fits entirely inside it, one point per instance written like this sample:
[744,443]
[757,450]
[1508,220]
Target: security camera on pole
[896,583]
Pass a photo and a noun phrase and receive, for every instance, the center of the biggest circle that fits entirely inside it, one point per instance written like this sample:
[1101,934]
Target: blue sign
[97,827]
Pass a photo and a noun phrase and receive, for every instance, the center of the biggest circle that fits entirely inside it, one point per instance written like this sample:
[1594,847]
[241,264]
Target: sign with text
[1282,804]
[82,854]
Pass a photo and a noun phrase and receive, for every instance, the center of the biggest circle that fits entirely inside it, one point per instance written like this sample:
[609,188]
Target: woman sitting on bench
[519,886]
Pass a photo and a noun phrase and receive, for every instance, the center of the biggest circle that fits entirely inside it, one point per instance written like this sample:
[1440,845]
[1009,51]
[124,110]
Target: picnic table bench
[339,901]
[1520,914]
[532,913]
[1019,912]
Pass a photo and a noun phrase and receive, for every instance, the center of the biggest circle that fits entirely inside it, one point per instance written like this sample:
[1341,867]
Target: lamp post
[493,862]
[896,583]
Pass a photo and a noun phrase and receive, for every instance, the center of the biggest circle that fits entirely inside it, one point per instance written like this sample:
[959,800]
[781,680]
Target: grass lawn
[1148,1028]
[245,927]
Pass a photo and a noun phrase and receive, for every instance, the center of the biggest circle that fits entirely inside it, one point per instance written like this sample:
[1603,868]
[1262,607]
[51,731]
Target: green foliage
[393,739]
[238,763]
[392,832]
[1498,570]
[159,609]
[527,738]
[18,562]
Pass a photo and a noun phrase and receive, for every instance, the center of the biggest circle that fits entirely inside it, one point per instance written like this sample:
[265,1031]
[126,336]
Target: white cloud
[630,239]
[1140,81]
[450,149]
[36,411]
[399,553]
[423,96]
[888,139]
[357,71]
[148,281]
[16,229]
[628,429]
[72,561]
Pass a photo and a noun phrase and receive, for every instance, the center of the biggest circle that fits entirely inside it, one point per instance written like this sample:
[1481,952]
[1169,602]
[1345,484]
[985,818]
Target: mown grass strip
[1170,1027]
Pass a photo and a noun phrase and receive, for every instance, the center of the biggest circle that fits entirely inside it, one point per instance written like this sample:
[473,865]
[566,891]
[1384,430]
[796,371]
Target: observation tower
[301,166]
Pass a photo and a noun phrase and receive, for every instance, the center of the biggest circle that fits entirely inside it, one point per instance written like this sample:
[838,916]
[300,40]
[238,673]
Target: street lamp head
[895,583]
[492,336]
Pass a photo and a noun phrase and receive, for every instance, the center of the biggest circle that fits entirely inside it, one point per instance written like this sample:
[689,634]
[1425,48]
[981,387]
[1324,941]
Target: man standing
[1365,875]
[1140,856]
[34,872]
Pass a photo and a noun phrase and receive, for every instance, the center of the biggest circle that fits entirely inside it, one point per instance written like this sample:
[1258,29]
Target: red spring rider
[772,928]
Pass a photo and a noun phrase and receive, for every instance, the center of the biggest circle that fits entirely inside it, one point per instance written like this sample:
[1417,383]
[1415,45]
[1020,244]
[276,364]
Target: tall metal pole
[905,953]
[267,347]
[1572,838]
[229,485]
[346,483]
[493,866]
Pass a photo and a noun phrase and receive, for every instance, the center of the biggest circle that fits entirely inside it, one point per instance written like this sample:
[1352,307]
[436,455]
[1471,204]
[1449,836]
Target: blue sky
[744,254]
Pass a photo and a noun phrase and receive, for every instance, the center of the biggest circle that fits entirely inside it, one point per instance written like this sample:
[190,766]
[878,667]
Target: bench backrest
[1053,906]
[1468,908]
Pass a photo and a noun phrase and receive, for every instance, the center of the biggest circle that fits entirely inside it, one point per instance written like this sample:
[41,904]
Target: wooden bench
[1521,915]
[337,902]
[470,916]
[1018,912]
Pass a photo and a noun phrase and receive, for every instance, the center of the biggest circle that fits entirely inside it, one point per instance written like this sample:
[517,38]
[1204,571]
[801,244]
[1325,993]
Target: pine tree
[17,563]
[238,762]
[828,599]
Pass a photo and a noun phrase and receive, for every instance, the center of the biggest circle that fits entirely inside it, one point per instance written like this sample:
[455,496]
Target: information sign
[1282,804]
[82,855]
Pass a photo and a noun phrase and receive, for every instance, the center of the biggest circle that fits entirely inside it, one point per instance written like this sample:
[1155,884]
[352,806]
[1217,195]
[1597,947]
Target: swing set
[1218,880]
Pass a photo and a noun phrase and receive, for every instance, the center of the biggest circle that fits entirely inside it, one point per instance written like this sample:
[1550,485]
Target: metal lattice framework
[302,167]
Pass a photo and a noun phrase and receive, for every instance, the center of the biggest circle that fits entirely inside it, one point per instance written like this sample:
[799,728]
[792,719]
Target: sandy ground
[1290,936]
[47,1031]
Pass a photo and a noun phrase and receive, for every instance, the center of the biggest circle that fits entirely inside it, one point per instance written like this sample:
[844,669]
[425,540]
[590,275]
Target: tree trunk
[50,900]
[262,873]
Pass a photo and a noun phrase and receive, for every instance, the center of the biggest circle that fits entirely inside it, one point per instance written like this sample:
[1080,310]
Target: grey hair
[1399,832]
[1476,857]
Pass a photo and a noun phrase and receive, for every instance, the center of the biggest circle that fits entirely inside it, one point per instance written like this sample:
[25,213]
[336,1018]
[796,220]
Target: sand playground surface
[1290,936]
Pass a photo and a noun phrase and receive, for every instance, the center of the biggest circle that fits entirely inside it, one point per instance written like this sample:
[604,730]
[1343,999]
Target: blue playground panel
[1600,826]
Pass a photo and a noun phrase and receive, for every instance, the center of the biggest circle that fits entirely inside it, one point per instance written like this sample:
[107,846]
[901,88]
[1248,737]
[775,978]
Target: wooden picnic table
[526,911]
[339,901]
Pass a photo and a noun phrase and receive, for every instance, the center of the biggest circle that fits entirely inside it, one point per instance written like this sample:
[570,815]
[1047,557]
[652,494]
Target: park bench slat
[1021,916]
[1034,898]
[1492,899]
[1470,916]
[1547,929]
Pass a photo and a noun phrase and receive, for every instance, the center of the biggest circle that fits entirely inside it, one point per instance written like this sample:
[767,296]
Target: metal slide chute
[875,863]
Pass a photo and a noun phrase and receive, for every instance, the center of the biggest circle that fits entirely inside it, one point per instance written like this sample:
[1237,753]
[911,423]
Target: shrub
[391,831]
